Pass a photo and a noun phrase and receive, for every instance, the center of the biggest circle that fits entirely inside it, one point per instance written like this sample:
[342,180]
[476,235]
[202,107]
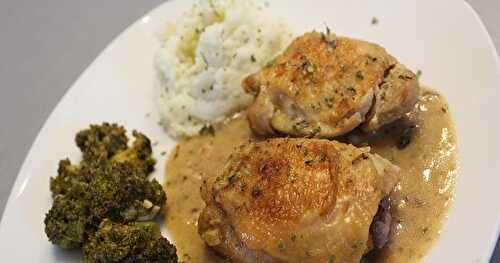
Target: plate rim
[495,236]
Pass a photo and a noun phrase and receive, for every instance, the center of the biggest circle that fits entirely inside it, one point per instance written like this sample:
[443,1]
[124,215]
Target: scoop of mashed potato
[205,55]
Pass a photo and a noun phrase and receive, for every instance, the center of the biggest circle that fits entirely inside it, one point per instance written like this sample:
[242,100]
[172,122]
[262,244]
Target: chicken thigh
[325,86]
[298,200]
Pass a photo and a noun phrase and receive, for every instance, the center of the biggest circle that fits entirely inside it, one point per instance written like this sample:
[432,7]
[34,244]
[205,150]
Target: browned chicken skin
[325,86]
[297,200]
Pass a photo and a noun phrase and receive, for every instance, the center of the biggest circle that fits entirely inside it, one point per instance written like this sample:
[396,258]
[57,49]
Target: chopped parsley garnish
[234,176]
[300,125]
[281,247]
[246,171]
[322,157]
[305,151]
[207,130]
[270,63]
[329,38]
[350,88]
[316,130]
[359,75]
[405,77]
[406,136]
[204,59]
[329,101]
[364,144]
[357,244]
[253,59]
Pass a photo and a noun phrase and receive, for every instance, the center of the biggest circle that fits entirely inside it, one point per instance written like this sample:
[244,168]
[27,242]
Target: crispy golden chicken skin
[295,200]
[325,86]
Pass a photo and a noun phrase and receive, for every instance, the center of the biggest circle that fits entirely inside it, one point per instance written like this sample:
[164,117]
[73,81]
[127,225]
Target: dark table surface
[45,45]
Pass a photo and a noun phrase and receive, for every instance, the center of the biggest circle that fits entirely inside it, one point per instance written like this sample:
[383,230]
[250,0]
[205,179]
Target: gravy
[422,144]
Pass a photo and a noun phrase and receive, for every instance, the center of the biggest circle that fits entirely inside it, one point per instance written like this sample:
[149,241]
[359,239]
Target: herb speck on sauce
[281,247]
[359,75]
[234,176]
[270,63]
[253,59]
[322,157]
[329,101]
[406,136]
[207,130]
[357,244]
[329,38]
[316,131]
[309,162]
[351,88]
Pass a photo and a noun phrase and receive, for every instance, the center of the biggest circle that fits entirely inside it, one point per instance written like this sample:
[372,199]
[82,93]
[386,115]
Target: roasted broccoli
[133,242]
[123,193]
[67,222]
[101,141]
[109,183]
[69,181]
[139,154]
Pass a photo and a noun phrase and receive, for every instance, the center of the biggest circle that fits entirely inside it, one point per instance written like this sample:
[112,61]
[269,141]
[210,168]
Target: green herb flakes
[329,101]
[406,136]
[281,247]
[207,130]
[359,75]
[234,176]
[351,88]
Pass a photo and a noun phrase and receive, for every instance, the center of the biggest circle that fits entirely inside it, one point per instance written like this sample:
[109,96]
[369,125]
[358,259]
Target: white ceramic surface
[445,39]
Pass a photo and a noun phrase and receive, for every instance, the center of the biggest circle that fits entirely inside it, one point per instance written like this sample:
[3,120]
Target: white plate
[445,39]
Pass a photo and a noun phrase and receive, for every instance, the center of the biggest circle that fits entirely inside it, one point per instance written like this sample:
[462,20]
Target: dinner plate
[445,39]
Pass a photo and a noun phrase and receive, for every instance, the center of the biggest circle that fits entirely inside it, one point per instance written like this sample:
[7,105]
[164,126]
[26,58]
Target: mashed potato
[204,56]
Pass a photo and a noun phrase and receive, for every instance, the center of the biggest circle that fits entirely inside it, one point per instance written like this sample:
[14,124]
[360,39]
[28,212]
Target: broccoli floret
[124,194]
[111,182]
[66,222]
[68,181]
[140,153]
[101,141]
[132,242]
